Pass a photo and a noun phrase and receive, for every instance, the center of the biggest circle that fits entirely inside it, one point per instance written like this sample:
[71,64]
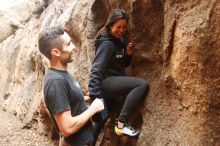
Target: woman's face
[118,28]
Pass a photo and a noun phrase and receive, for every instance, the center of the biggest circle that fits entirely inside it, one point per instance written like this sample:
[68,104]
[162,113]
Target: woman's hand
[129,49]
[87,100]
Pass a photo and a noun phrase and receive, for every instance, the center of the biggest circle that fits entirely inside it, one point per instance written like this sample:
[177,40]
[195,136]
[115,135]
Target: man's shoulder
[51,76]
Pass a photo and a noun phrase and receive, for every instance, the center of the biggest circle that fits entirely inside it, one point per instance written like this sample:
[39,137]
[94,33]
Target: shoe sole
[118,132]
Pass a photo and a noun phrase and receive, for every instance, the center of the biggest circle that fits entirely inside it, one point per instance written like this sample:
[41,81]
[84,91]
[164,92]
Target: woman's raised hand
[129,49]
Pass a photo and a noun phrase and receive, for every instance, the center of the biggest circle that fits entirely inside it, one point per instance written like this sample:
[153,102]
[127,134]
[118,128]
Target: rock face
[16,17]
[176,50]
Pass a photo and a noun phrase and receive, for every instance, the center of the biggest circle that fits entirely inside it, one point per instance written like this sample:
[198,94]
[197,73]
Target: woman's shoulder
[104,38]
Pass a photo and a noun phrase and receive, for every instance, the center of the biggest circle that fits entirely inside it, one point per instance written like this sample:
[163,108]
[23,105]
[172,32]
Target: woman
[108,78]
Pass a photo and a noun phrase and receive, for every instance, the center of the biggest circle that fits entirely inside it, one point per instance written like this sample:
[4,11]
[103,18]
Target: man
[63,96]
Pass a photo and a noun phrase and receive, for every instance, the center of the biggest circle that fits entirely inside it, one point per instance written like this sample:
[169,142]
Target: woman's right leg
[136,90]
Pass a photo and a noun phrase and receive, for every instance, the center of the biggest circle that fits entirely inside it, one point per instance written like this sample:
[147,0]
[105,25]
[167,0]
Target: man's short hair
[49,38]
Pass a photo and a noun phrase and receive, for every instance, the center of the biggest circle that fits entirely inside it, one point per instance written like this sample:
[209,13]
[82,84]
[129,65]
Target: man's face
[67,50]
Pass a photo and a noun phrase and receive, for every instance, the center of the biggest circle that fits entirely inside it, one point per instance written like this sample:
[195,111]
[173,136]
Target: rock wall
[176,51]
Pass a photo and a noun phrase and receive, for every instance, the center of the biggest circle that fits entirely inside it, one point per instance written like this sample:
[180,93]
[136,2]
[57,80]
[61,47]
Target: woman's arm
[128,55]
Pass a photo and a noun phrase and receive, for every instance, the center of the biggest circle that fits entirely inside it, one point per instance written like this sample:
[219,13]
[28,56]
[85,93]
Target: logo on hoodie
[119,53]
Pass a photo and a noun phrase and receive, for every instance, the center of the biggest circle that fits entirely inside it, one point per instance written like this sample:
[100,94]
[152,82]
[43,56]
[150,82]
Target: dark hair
[49,38]
[114,16]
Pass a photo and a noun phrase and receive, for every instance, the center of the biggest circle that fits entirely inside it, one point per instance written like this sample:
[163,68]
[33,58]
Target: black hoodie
[110,60]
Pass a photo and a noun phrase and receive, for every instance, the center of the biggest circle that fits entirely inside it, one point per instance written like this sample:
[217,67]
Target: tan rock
[177,52]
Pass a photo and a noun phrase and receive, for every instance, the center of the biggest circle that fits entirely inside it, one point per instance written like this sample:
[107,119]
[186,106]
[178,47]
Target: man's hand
[97,106]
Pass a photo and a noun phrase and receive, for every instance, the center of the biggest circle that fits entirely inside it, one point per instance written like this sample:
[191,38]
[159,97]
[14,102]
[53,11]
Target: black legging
[136,90]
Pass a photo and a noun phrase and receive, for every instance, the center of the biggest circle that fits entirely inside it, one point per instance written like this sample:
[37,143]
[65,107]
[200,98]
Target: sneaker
[127,130]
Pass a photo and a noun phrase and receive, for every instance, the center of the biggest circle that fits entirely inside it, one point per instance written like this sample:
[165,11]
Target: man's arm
[69,125]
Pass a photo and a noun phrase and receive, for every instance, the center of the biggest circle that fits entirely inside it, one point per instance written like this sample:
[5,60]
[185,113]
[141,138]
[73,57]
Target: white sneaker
[127,130]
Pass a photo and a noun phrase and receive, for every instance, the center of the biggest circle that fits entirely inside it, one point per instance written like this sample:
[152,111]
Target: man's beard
[67,60]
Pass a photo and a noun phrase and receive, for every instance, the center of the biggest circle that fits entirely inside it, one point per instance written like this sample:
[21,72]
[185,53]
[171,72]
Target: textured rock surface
[176,50]
[17,15]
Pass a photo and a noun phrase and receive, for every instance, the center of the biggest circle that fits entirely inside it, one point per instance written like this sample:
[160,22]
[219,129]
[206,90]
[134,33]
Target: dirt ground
[12,134]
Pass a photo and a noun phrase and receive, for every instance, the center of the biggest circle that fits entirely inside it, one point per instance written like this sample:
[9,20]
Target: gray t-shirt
[62,93]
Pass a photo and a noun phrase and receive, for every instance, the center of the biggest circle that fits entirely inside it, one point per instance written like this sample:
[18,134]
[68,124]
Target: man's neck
[58,66]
